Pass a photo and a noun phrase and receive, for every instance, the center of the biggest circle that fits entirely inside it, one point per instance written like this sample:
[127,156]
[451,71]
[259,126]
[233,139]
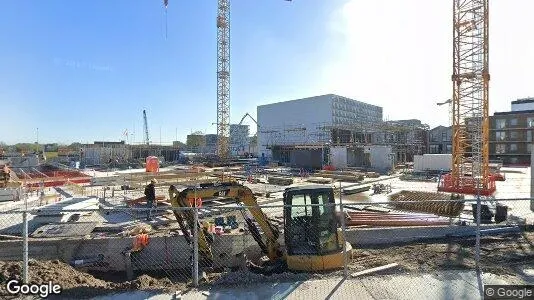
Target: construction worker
[150,195]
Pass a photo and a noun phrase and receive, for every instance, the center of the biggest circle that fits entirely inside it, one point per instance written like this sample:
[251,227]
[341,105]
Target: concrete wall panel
[306,158]
[338,157]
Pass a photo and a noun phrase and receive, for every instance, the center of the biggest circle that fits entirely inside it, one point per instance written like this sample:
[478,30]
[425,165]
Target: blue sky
[85,70]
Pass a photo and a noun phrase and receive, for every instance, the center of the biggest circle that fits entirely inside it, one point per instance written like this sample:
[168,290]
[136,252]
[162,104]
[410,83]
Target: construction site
[328,197]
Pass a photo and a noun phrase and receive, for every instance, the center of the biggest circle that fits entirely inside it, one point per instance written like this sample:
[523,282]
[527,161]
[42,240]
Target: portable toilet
[152,164]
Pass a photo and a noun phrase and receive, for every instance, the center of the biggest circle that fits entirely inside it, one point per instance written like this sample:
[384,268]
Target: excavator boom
[241,194]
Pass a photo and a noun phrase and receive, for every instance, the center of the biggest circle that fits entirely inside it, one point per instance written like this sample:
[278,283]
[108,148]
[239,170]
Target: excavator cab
[311,229]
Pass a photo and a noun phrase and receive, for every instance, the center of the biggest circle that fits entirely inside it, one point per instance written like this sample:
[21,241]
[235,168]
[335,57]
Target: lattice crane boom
[470,120]
[223,78]
[145,128]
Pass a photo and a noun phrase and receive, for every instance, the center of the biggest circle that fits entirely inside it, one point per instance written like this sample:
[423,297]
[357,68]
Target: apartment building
[440,140]
[511,133]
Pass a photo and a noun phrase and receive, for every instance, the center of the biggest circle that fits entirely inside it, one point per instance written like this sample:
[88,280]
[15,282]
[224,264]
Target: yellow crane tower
[470,120]
[223,77]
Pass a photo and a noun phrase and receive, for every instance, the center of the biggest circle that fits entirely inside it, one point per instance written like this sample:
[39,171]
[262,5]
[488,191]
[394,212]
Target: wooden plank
[396,222]
[350,191]
[159,198]
[372,270]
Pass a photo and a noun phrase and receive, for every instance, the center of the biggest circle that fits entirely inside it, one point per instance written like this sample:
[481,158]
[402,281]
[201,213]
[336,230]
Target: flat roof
[524,100]
[441,127]
[319,96]
[519,112]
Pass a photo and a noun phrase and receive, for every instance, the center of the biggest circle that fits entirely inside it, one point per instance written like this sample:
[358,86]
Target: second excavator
[312,239]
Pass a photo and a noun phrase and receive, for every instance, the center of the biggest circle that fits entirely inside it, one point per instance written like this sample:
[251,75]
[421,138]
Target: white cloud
[398,54]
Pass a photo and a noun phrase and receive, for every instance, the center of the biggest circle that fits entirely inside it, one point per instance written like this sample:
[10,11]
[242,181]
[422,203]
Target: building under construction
[338,131]
[117,154]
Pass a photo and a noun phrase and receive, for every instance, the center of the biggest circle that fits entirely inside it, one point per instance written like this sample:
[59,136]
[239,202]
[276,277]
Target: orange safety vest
[196,202]
[140,241]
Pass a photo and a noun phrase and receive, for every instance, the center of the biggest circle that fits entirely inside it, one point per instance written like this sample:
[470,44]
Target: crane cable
[165,3]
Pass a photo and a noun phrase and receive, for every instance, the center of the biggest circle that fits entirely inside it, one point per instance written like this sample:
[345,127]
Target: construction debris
[426,202]
[372,175]
[347,176]
[280,180]
[418,176]
[356,190]
[379,188]
[138,229]
[320,180]
[142,200]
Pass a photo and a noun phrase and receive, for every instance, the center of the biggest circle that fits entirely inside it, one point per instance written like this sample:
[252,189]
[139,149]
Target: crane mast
[223,78]
[470,121]
[145,127]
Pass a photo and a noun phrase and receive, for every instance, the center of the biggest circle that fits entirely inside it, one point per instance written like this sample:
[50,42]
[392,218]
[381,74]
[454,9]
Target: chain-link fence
[228,243]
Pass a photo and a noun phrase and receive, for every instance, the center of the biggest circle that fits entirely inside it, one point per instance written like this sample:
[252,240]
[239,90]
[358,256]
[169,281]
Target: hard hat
[154,180]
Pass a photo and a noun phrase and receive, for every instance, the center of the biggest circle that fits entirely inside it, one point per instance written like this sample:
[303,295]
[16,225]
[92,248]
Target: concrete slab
[70,204]
[64,230]
[442,285]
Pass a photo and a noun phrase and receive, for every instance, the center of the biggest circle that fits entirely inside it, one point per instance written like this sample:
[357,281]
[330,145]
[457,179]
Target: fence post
[477,236]
[25,247]
[345,263]
[532,179]
[195,246]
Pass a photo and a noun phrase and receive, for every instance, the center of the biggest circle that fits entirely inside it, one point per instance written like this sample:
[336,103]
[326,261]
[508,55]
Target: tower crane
[145,127]
[470,120]
[243,119]
[223,76]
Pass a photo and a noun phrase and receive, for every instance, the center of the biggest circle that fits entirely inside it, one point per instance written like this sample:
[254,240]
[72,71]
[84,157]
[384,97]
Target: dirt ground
[502,255]
[77,284]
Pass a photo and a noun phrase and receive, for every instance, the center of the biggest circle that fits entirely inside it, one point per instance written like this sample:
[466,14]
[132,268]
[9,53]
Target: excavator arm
[241,194]
[186,221]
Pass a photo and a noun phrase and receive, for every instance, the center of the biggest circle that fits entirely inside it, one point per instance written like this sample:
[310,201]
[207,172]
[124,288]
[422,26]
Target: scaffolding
[406,137]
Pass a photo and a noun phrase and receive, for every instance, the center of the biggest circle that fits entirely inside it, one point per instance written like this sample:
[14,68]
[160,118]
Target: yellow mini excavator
[312,238]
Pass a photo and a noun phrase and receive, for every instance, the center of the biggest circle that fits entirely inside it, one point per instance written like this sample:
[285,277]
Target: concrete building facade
[511,134]
[195,142]
[311,125]
[101,152]
[207,143]
[211,143]
[120,153]
[239,139]
[406,138]
[440,140]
